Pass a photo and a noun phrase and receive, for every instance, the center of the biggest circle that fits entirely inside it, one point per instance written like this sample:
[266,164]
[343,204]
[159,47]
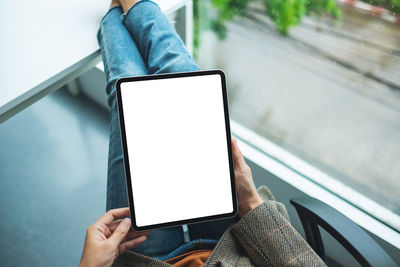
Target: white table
[46,44]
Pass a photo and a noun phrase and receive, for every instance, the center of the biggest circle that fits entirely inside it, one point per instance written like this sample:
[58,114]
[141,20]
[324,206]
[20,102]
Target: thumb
[120,232]
[237,155]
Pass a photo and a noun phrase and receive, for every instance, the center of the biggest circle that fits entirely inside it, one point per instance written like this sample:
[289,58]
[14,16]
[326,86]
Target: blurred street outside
[329,92]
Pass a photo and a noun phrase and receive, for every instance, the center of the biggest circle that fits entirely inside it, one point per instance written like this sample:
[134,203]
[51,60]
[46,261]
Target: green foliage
[213,14]
[318,7]
[289,13]
[218,26]
[227,10]
[285,13]
[391,5]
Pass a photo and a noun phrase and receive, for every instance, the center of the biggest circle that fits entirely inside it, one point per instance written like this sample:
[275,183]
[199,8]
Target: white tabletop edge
[29,96]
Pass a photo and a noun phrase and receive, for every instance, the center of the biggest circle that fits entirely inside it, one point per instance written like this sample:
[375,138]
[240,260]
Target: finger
[131,244]
[111,215]
[237,155]
[107,232]
[114,225]
[120,232]
[133,234]
[99,228]
[130,235]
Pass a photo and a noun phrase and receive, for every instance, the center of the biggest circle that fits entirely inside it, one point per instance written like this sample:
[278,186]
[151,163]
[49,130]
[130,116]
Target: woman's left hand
[109,237]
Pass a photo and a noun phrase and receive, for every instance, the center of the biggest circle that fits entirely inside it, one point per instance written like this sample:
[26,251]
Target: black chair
[361,246]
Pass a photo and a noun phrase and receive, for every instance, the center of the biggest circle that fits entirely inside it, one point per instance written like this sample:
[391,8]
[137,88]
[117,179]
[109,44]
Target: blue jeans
[144,42]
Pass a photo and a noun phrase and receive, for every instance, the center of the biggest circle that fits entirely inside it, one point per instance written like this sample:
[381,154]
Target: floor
[53,163]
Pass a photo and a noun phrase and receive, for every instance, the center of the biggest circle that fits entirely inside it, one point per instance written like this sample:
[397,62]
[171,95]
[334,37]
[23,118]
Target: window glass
[320,78]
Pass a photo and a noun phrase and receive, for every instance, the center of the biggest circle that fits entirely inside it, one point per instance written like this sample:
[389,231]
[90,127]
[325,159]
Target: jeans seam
[109,11]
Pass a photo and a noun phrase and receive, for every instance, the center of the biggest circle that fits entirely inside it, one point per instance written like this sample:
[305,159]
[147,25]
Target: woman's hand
[109,237]
[248,198]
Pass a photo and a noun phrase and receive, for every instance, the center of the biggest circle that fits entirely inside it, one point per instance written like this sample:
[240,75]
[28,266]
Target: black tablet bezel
[126,156]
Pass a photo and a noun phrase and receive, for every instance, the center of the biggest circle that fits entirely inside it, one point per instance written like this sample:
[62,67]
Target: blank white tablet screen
[177,148]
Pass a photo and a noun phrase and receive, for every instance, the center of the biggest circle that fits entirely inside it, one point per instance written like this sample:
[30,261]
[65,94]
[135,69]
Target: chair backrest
[353,238]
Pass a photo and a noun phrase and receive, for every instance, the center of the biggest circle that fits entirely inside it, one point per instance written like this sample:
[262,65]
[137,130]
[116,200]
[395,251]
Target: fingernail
[126,222]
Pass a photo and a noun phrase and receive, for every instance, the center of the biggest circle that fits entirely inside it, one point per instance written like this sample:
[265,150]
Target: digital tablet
[177,148]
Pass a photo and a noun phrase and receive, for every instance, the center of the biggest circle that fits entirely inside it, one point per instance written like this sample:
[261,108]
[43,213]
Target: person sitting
[137,39]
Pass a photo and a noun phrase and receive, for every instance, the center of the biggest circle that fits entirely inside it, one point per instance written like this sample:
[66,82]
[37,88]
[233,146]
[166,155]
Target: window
[321,79]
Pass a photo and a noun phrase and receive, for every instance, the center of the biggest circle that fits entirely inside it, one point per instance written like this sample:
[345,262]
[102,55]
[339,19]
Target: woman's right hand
[248,198]
[109,237]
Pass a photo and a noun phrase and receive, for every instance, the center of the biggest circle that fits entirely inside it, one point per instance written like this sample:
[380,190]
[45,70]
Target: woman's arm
[264,233]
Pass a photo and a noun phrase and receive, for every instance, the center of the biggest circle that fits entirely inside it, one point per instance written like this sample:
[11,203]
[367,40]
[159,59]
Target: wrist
[251,204]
